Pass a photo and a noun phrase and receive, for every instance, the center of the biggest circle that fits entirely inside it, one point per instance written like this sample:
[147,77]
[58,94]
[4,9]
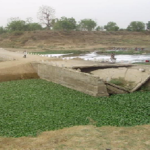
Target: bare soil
[84,138]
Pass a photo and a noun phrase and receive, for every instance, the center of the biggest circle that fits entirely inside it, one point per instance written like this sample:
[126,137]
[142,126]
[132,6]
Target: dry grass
[75,40]
[84,138]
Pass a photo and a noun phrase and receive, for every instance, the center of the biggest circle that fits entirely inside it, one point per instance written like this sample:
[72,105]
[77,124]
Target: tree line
[47,21]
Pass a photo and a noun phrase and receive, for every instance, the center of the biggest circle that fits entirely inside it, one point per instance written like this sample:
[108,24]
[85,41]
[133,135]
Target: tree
[121,29]
[65,24]
[148,25]
[33,27]
[15,24]
[87,25]
[30,26]
[2,30]
[136,26]
[46,15]
[111,26]
[99,28]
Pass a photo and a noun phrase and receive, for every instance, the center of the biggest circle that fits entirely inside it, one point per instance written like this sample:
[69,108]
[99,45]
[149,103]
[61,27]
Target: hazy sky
[102,11]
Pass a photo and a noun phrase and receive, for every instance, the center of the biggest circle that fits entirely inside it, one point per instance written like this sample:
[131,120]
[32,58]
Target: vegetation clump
[122,82]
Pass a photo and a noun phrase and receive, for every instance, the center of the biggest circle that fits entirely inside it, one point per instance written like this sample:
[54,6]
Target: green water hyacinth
[29,107]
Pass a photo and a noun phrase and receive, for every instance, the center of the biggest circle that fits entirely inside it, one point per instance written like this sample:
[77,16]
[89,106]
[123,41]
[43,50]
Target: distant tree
[111,26]
[30,26]
[33,27]
[15,24]
[46,16]
[136,26]
[87,25]
[53,22]
[65,24]
[148,25]
[99,28]
[121,29]
[2,30]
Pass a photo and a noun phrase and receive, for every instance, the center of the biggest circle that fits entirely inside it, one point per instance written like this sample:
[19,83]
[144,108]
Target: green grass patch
[117,81]
[128,52]
[61,52]
[29,107]
[122,82]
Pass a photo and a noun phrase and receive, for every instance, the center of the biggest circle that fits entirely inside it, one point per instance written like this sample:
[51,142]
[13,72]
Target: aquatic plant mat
[29,107]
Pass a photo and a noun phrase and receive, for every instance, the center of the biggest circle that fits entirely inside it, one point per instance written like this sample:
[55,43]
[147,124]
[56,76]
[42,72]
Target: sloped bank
[18,72]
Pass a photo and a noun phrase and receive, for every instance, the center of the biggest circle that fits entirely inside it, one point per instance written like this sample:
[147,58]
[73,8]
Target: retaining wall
[70,78]
[17,72]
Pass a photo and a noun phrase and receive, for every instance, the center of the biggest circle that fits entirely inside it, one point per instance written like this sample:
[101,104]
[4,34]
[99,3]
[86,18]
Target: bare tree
[46,15]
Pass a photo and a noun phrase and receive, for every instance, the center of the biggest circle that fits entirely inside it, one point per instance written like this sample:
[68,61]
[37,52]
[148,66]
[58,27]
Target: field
[29,107]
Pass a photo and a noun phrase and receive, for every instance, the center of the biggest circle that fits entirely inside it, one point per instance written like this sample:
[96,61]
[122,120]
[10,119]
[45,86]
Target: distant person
[24,54]
[112,57]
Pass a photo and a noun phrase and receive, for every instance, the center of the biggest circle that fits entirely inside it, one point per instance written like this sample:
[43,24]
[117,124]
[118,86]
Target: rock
[141,69]
[108,79]
[79,70]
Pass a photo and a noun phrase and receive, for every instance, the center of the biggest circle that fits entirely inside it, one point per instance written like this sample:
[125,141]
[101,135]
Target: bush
[16,33]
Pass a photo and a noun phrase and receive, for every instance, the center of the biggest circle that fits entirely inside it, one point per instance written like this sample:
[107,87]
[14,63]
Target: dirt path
[16,58]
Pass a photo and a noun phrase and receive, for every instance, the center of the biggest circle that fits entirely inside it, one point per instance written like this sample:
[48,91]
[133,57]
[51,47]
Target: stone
[141,69]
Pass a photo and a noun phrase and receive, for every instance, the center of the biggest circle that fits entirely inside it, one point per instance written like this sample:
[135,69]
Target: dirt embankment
[15,67]
[18,72]
[84,137]
[74,39]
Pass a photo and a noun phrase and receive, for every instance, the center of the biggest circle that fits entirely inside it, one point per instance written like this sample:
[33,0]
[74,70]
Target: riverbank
[75,40]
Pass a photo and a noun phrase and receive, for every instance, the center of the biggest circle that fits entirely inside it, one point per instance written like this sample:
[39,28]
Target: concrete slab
[110,73]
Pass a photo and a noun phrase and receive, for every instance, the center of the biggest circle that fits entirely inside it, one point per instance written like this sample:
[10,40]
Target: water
[93,56]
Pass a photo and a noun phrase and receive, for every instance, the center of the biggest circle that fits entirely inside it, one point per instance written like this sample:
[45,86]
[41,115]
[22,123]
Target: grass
[129,52]
[118,81]
[122,82]
[60,52]
[29,107]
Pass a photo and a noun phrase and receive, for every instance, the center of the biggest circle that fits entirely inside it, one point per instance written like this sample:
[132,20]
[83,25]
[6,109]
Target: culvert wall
[70,78]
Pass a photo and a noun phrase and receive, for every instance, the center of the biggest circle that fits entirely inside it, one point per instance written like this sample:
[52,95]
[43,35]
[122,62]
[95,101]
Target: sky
[123,12]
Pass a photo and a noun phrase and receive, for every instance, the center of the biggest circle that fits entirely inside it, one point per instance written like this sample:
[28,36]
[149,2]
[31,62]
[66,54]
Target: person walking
[112,57]
[24,54]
